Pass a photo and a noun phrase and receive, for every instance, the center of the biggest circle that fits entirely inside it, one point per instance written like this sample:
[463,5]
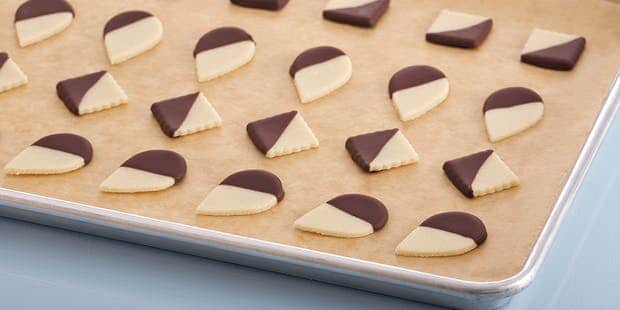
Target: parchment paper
[542,157]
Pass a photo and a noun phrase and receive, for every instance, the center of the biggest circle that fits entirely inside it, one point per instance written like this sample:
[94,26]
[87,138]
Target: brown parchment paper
[542,157]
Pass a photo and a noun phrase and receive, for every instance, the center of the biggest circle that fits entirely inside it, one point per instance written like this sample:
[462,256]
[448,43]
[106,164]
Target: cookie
[11,75]
[185,115]
[221,51]
[148,171]
[271,5]
[510,111]
[444,234]
[362,13]
[346,216]
[37,20]
[130,34]
[480,174]
[320,71]
[381,150]
[90,93]
[416,90]
[282,134]
[54,154]
[459,29]
[552,50]
[243,193]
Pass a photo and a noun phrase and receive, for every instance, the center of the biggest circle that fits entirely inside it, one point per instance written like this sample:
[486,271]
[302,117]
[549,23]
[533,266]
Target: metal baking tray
[360,274]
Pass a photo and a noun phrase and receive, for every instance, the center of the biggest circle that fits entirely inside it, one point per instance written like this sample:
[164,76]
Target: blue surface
[57,269]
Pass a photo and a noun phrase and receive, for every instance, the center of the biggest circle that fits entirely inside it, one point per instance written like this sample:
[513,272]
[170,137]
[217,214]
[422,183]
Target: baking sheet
[542,157]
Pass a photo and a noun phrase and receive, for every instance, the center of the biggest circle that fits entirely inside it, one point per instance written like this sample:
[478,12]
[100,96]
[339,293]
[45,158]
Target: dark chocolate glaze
[162,162]
[413,76]
[314,56]
[468,37]
[72,91]
[462,171]
[561,57]
[271,5]
[461,223]
[365,148]
[124,19]
[265,133]
[257,180]
[365,15]
[220,37]
[510,97]
[68,143]
[36,8]
[3,58]
[366,208]
[171,113]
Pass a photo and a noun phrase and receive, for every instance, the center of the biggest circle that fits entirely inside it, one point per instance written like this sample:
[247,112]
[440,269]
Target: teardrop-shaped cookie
[185,115]
[243,193]
[416,90]
[510,111]
[130,34]
[222,50]
[444,234]
[90,93]
[346,216]
[381,150]
[53,154]
[148,171]
[37,20]
[11,75]
[282,134]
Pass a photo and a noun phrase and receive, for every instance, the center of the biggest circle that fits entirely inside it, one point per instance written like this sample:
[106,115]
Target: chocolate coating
[314,56]
[468,37]
[257,180]
[36,8]
[171,113]
[366,208]
[509,97]
[413,76]
[162,162]
[461,223]
[265,133]
[69,143]
[3,58]
[271,5]
[462,171]
[72,91]
[124,19]
[365,148]
[561,57]
[220,37]
[365,15]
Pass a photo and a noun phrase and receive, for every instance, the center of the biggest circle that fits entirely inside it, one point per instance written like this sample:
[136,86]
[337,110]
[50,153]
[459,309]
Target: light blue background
[57,269]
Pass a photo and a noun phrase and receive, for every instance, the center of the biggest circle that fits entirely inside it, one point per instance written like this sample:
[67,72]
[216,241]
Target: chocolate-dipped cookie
[381,150]
[37,20]
[511,110]
[552,50]
[11,75]
[362,13]
[53,154]
[416,90]
[90,93]
[130,34]
[320,71]
[222,50]
[147,171]
[459,29]
[243,193]
[185,115]
[270,5]
[282,134]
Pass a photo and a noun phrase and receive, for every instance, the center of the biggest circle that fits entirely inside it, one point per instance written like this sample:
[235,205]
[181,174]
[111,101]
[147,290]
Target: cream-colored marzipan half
[134,39]
[395,153]
[541,39]
[450,20]
[343,4]
[505,122]
[329,220]
[296,137]
[216,62]
[493,176]
[130,180]
[201,116]
[427,242]
[11,76]
[105,94]
[33,30]
[42,160]
[318,80]
[233,200]
[413,102]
